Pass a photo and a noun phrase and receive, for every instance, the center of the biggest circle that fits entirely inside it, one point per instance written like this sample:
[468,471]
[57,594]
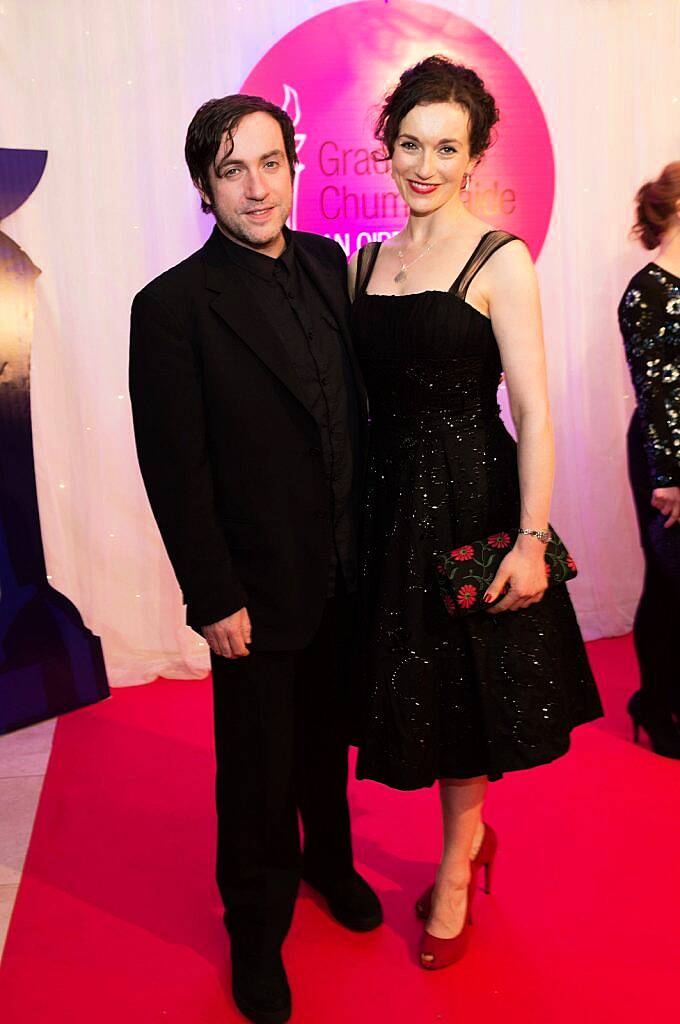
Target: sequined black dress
[446,697]
[649,316]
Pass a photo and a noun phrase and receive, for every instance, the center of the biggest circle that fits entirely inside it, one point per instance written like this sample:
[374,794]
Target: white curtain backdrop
[109,87]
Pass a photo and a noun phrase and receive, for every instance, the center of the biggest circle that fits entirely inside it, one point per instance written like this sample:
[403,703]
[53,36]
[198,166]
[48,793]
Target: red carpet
[117,919]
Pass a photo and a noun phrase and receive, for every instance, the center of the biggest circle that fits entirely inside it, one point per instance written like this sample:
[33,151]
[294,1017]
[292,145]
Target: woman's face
[431,156]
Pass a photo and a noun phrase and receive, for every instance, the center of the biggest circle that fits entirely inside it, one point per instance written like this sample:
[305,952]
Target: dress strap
[368,254]
[484,250]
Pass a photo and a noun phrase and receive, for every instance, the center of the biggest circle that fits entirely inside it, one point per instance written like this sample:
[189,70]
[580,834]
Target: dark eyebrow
[227,162]
[414,138]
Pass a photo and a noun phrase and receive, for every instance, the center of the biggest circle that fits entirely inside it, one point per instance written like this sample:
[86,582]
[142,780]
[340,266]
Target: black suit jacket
[230,455]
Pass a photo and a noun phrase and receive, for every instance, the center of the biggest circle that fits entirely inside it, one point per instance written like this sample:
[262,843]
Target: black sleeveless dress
[449,697]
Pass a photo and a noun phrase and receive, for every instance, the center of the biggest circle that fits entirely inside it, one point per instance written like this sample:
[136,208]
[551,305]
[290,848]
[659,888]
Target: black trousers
[281,745]
[656,630]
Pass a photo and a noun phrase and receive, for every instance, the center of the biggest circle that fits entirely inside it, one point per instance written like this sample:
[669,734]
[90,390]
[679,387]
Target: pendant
[401,276]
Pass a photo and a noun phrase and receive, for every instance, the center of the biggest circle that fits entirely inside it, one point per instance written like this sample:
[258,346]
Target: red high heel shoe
[486,854]
[444,952]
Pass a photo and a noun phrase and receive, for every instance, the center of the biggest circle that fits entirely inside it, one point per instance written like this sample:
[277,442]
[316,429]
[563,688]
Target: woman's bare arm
[515,310]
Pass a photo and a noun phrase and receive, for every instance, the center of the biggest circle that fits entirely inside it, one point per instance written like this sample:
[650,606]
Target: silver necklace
[401,273]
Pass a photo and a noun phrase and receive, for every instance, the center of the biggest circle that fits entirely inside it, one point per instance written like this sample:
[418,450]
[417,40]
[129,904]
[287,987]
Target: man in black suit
[250,421]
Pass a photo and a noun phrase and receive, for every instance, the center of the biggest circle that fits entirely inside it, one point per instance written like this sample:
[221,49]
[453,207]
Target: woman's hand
[524,569]
[667,500]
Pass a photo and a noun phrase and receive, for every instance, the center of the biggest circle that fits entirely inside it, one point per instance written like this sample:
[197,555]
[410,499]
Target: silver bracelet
[545,536]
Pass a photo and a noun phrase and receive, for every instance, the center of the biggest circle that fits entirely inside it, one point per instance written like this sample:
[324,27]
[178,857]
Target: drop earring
[468,179]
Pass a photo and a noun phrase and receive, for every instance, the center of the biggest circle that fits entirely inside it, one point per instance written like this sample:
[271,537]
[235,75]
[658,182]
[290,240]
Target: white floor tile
[18,802]
[7,896]
[23,762]
[26,751]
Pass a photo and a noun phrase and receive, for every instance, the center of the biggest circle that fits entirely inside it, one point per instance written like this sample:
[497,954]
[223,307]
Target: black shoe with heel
[662,730]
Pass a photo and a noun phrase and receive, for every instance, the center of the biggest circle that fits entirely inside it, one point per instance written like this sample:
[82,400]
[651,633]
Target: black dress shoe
[350,900]
[260,987]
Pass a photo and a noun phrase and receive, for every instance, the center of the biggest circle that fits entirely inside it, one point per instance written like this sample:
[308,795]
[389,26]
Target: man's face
[252,190]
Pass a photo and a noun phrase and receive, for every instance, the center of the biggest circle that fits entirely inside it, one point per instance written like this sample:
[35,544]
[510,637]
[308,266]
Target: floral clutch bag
[465,573]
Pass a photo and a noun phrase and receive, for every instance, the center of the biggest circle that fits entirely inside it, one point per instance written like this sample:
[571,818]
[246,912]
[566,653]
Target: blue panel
[49,662]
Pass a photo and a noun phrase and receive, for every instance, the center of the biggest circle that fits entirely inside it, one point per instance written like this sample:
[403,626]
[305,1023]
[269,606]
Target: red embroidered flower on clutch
[470,569]
[466,595]
[462,554]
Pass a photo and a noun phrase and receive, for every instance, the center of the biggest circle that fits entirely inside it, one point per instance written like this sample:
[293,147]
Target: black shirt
[299,315]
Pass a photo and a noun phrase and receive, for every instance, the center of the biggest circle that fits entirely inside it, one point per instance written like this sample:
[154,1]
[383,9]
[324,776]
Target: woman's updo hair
[438,80]
[656,206]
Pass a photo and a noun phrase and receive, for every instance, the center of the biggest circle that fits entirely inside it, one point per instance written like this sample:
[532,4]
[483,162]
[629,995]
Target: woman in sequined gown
[439,312]
[649,315]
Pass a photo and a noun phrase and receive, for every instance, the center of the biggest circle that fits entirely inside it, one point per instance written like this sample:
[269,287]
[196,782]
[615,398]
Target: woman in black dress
[459,700]
[649,315]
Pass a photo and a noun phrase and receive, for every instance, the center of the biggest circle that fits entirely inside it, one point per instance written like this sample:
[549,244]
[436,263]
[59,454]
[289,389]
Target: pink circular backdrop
[330,74]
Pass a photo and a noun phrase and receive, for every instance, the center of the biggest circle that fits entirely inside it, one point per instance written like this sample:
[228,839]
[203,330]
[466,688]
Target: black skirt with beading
[471,695]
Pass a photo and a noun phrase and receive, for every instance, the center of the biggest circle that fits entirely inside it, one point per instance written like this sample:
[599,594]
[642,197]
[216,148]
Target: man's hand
[667,500]
[229,636]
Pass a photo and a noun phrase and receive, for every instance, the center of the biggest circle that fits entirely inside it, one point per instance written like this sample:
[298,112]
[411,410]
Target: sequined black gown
[447,697]
[649,316]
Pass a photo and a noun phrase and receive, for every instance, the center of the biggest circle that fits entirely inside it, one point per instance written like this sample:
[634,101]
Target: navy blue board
[50,663]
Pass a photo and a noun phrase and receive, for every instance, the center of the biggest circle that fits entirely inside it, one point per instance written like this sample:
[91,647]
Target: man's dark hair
[439,80]
[216,117]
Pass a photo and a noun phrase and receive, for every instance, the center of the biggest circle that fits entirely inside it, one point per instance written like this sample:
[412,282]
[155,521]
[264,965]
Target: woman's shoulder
[360,254]
[651,300]
[505,259]
[647,287]
[359,262]
[499,239]
[498,248]
[641,277]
